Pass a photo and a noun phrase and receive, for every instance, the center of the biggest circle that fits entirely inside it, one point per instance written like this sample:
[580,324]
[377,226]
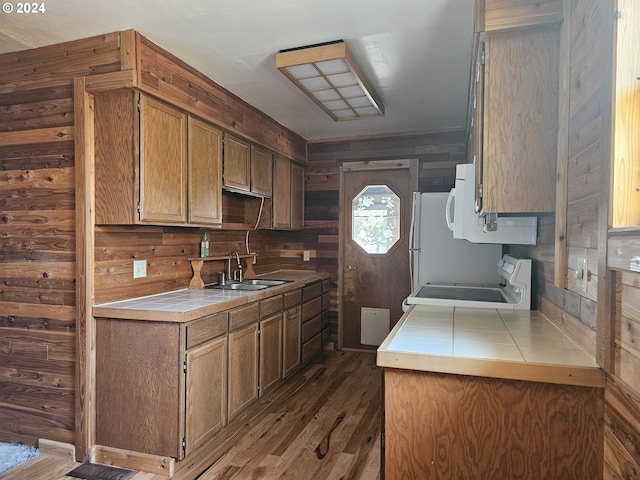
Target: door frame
[353,166]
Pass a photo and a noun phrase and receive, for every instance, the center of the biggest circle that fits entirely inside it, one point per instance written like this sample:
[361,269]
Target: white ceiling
[416,53]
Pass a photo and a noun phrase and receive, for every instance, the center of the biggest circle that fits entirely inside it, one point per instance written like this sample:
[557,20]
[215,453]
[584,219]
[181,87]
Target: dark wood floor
[321,424]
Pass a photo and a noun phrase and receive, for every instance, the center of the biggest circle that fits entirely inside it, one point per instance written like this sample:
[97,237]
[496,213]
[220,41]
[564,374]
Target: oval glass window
[375,216]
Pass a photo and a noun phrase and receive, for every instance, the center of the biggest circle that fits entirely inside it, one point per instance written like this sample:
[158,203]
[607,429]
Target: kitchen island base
[443,426]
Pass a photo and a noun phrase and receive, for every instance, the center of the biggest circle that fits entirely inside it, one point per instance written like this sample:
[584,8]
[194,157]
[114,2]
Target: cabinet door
[163,162]
[205,173]
[237,164]
[270,352]
[282,193]
[243,368]
[261,171]
[297,197]
[520,120]
[291,340]
[206,387]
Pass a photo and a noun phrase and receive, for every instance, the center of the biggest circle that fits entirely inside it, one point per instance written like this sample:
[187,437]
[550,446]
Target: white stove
[515,294]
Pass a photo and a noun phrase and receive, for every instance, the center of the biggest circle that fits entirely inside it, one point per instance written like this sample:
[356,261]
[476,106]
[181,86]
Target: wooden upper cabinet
[282,193]
[519,119]
[154,164]
[205,173]
[288,195]
[505,14]
[297,197]
[163,163]
[247,168]
[237,164]
[261,171]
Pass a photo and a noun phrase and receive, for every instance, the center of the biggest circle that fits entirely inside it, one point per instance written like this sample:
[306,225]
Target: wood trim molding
[85,240]
[377,165]
[111,81]
[605,315]
[564,87]
[144,462]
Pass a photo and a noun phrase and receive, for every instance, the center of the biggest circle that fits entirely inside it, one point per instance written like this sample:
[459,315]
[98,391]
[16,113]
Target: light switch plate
[306,255]
[139,268]
[581,274]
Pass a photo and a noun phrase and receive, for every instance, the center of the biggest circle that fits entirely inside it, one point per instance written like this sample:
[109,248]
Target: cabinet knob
[348,268]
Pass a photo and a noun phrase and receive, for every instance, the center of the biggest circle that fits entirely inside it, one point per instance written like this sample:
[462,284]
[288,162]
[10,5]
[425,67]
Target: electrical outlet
[306,255]
[581,273]
[139,268]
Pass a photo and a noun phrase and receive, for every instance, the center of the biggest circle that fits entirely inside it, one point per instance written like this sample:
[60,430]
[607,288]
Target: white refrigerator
[436,257]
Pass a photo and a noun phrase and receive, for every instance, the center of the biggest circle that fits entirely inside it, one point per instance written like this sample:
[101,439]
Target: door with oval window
[374,257]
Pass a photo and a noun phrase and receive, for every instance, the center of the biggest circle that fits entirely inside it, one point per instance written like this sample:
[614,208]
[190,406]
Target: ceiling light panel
[330,76]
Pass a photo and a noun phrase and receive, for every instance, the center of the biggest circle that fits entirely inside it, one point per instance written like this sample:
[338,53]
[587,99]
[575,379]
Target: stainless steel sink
[268,283]
[254,284]
[237,286]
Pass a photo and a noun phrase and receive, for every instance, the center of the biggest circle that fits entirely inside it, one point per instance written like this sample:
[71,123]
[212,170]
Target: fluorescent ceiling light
[330,76]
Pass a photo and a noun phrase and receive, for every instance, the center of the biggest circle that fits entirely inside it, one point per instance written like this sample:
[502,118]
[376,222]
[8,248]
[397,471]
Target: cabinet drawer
[326,320]
[326,301]
[311,348]
[293,311]
[311,309]
[270,306]
[292,298]
[311,328]
[241,316]
[326,285]
[206,328]
[311,291]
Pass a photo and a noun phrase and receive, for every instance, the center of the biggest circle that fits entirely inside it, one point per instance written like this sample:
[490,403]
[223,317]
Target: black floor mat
[92,471]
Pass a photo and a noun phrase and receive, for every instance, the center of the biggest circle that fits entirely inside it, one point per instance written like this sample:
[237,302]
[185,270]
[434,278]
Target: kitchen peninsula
[174,368]
[484,393]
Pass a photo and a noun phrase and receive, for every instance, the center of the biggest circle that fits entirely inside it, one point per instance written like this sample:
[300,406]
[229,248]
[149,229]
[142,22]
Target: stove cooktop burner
[476,294]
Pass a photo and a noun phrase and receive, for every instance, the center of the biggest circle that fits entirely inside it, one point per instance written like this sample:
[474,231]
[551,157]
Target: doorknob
[348,268]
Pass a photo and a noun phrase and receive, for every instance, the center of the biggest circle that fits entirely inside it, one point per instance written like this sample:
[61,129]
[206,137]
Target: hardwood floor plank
[334,404]
[344,386]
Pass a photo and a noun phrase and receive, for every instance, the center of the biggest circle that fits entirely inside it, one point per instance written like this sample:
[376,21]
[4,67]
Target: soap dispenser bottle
[204,245]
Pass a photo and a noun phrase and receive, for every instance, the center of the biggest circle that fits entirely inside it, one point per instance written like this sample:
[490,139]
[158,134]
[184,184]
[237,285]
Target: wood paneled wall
[587,166]
[438,154]
[37,235]
[38,301]
[166,251]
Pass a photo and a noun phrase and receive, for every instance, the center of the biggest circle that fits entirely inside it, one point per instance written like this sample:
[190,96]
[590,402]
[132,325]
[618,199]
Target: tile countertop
[188,304]
[516,345]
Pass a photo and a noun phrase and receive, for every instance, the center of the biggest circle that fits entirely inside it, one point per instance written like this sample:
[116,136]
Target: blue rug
[13,454]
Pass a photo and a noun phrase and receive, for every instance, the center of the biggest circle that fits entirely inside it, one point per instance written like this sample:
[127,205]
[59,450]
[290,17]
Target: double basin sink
[254,284]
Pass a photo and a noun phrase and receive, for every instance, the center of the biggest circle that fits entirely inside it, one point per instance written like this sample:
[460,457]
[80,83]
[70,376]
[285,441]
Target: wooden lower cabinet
[311,321]
[206,405]
[442,426]
[291,340]
[165,388]
[160,385]
[243,369]
[270,352]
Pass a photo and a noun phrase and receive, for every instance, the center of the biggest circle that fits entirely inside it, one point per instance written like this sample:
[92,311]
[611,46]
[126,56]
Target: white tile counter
[188,304]
[517,345]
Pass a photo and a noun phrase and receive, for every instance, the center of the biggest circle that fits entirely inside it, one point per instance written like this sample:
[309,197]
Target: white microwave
[467,223]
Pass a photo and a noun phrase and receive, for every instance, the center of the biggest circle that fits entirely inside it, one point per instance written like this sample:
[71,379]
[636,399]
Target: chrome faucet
[233,253]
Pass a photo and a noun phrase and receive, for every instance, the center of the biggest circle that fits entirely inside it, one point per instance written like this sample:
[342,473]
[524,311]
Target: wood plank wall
[37,217]
[438,154]
[37,235]
[587,170]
